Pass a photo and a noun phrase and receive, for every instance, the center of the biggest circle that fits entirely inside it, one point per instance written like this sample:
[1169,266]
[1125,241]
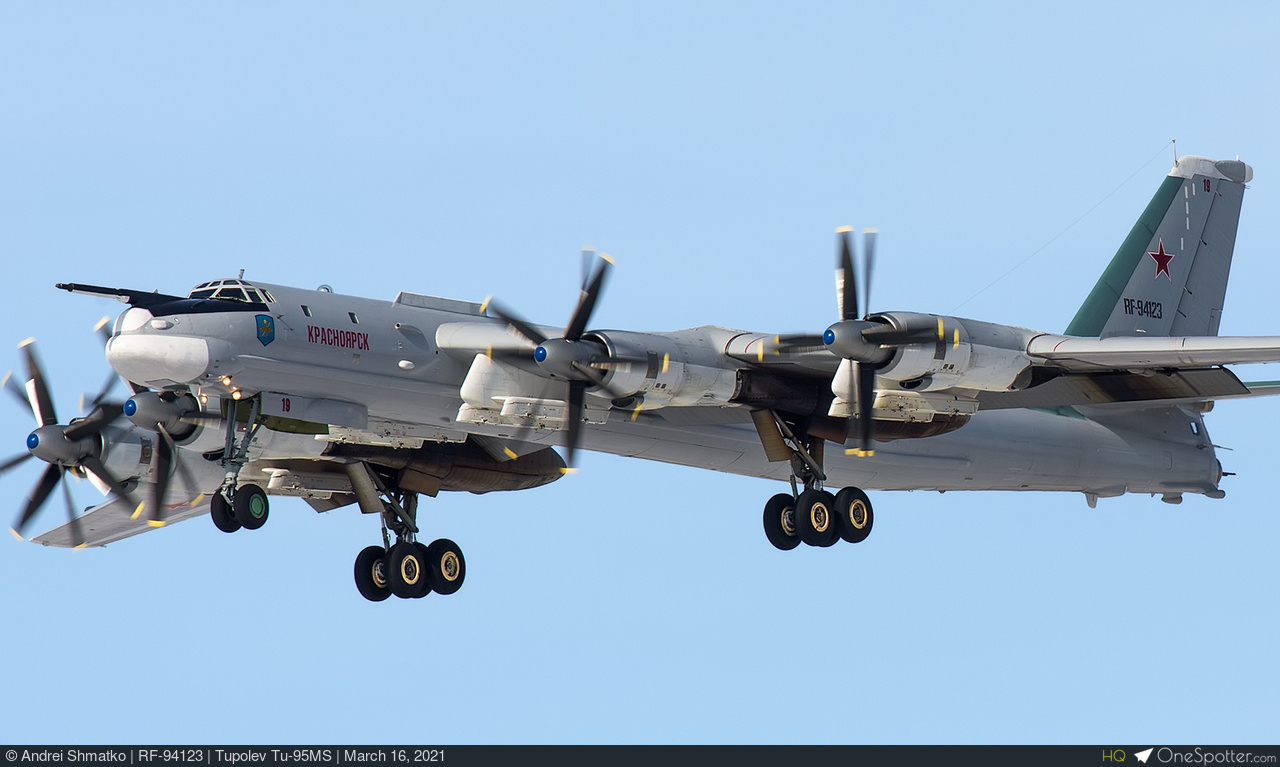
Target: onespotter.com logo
[1197,755]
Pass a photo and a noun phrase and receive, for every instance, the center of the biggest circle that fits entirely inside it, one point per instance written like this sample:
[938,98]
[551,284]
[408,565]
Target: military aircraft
[243,390]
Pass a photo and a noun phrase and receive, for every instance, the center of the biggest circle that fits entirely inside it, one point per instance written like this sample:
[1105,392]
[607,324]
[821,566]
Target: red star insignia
[1162,260]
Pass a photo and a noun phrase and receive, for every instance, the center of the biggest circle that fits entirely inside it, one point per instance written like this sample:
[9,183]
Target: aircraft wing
[1144,352]
[112,521]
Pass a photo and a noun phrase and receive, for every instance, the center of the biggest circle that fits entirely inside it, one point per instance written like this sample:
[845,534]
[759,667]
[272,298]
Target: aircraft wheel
[371,574]
[853,512]
[250,504]
[780,522]
[220,512]
[426,559]
[448,567]
[407,571]
[815,517]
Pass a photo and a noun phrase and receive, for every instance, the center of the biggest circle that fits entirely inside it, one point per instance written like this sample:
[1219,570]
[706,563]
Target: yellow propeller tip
[609,258]
[101,322]
[27,342]
[155,522]
[510,453]
[16,534]
[137,511]
[80,546]
[843,229]
[871,230]
[569,470]
[860,452]
[196,501]
[485,303]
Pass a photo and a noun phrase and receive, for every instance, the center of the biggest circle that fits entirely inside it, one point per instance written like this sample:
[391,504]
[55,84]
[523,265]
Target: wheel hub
[449,566]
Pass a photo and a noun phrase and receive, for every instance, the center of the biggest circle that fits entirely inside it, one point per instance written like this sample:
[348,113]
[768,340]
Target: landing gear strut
[408,569]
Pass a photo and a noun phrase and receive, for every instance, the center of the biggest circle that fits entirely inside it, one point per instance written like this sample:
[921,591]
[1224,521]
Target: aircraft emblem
[1162,260]
[266,328]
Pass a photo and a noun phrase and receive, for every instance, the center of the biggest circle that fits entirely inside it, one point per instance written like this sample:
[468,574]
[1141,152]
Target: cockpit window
[232,294]
[231,290]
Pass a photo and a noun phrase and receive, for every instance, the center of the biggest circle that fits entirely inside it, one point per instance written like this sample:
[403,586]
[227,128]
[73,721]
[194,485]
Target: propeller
[571,357]
[164,413]
[75,448]
[868,343]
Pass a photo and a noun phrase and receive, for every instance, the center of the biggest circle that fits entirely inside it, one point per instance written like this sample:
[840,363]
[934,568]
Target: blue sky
[472,149]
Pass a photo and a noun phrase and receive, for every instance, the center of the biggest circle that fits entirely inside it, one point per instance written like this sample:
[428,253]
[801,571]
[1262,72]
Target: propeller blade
[14,461]
[866,390]
[77,535]
[846,278]
[597,378]
[588,258]
[577,390]
[888,335]
[14,388]
[38,496]
[188,481]
[869,263]
[41,403]
[519,325]
[587,301]
[93,424]
[102,331]
[161,465]
[96,467]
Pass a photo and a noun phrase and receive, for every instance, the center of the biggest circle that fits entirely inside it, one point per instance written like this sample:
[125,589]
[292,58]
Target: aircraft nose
[158,360]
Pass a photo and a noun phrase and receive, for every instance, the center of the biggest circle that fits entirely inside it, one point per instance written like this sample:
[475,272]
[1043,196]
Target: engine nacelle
[659,371]
[966,354]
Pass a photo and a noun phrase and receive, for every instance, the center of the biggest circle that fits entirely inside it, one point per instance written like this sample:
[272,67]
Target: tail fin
[1169,277]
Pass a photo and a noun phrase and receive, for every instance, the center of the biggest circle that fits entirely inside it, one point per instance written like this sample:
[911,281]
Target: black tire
[815,517]
[220,512]
[448,567]
[371,574]
[780,522]
[251,506]
[854,516]
[426,559]
[407,574]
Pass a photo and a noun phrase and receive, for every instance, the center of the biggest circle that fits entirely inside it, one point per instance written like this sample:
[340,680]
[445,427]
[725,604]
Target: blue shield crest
[266,328]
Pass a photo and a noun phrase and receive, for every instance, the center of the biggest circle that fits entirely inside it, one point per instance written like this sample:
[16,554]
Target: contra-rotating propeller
[865,343]
[570,357]
[74,448]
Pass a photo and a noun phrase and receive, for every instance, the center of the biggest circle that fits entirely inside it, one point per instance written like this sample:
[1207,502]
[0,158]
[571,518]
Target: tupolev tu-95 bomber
[241,391]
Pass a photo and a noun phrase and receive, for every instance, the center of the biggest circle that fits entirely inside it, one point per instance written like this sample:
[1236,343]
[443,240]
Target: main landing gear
[408,568]
[813,515]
